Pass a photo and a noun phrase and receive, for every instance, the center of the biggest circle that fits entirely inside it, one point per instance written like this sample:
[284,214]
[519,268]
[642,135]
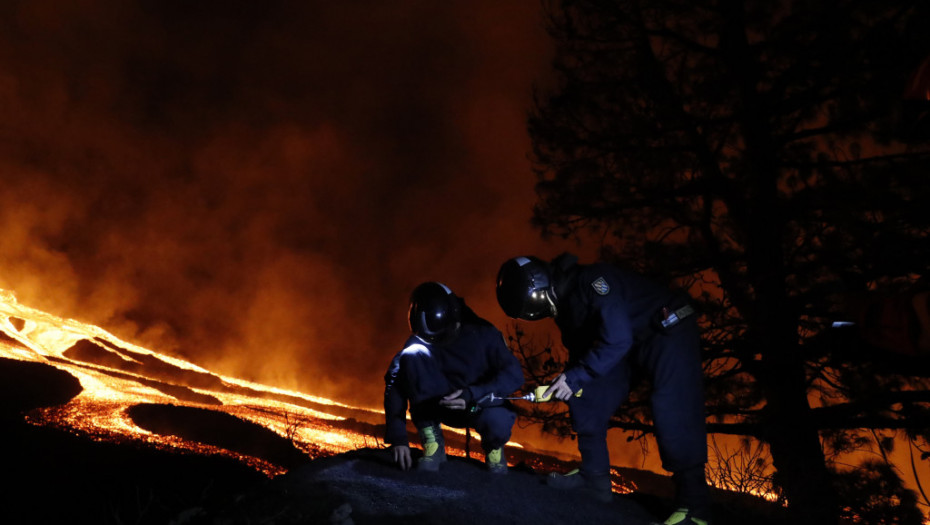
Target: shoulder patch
[600,286]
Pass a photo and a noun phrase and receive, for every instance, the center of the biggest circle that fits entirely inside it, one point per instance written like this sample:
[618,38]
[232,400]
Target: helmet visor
[434,314]
[522,289]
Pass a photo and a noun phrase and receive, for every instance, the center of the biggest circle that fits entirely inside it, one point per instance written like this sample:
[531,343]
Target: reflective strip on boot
[431,438]
[496,461]
[683,517]
[428,436]
[434,451]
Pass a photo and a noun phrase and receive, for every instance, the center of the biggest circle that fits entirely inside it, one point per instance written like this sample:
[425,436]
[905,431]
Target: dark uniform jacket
[478,361]
[604,312]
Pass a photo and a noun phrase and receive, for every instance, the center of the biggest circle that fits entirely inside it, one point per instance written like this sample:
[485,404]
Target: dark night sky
[258,185]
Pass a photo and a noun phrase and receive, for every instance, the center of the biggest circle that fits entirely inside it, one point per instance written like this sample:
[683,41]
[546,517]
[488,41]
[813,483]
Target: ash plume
[256,186]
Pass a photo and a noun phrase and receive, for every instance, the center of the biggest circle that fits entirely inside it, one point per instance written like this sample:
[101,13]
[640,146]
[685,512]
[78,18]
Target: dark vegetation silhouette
[764,157]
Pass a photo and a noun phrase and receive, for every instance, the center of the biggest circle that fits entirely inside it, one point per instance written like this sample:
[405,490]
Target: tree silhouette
[759,154]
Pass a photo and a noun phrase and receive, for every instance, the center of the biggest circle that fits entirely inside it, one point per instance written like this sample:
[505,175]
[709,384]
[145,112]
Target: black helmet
[523,289]
[435,313]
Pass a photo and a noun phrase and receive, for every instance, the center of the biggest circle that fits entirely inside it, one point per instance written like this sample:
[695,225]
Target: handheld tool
[533,397]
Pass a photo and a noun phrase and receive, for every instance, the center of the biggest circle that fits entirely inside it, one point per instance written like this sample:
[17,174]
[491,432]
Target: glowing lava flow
[116,375]
[128,392]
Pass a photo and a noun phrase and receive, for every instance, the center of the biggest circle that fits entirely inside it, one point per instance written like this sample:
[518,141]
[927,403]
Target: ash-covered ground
[363,487]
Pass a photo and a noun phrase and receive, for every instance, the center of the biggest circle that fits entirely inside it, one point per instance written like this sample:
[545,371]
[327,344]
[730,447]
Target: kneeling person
[451,359]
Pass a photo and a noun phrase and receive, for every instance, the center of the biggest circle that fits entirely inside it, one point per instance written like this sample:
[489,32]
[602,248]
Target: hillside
[62,477]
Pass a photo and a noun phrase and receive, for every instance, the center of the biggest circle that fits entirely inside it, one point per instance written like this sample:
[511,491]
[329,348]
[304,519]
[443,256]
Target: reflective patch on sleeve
[600,286]
[416,348]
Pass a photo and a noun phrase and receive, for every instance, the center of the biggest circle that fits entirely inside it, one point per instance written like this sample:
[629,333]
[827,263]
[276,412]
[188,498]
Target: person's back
[478,356]
[630,298]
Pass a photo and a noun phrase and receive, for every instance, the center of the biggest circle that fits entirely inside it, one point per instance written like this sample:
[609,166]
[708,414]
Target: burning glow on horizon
[99,411]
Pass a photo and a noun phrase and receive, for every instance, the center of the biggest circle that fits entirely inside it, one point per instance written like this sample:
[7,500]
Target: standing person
[610,321]
[451,359]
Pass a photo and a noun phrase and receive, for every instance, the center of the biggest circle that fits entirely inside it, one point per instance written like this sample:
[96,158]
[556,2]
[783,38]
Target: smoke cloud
[257,186]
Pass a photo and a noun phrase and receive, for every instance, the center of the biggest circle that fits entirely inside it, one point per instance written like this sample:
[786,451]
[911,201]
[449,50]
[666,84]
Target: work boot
[434,448]
[683,516]
[496,461]
[598,486]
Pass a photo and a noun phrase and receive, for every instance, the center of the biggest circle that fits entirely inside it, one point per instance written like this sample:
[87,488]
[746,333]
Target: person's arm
[506,375]
[612,342]
[395,407]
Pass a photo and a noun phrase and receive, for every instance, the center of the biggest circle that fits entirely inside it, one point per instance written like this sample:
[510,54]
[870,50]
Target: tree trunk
[788,425]
[794,441]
